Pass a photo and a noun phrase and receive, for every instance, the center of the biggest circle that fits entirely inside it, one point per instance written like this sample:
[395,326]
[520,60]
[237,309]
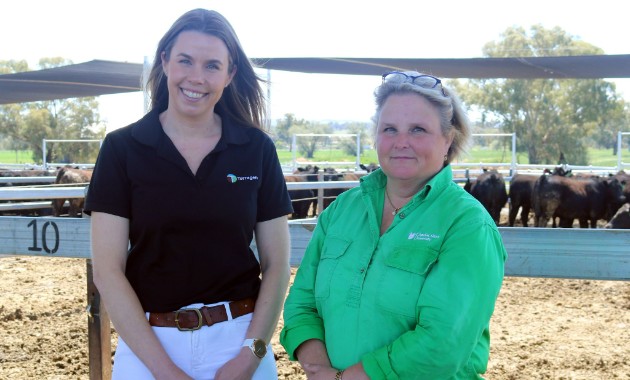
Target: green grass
[604,157]
[489,156]
[16,157]
[597,157]
[368,156]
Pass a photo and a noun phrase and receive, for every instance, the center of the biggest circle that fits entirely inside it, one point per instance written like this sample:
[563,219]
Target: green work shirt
[413,303]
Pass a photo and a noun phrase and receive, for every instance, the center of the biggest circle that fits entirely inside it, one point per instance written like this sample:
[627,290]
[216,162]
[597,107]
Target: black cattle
[311,173]
[521,187]
[570,198]
[624,180]
[520,195]
[621,219]
[330,174]
[309,196]
[489,190]
[370,167]
[301,200]
[308,172]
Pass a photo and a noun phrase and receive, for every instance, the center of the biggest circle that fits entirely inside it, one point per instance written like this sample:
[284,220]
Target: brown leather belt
[193,319]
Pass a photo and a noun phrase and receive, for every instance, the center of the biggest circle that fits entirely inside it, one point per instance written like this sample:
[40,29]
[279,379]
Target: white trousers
[199,353]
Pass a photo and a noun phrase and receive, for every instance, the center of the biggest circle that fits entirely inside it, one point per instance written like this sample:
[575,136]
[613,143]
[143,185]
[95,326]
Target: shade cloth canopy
[584,67]
[100,77]
[73,81]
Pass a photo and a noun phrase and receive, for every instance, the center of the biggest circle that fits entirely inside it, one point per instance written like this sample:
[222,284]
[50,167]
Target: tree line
[548,116]
[23,126]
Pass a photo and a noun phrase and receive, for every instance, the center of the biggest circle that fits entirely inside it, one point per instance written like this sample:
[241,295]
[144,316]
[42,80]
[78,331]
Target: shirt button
[401,215]
[362,270]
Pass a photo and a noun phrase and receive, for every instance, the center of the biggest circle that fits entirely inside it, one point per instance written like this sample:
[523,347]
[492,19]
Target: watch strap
[248,342]
[251,344]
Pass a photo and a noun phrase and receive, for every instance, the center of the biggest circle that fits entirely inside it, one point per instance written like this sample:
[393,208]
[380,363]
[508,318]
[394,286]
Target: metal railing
[47,164]
[620,164]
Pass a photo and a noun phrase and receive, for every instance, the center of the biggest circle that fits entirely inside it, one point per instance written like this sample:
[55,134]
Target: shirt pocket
[333,249]
[405,271]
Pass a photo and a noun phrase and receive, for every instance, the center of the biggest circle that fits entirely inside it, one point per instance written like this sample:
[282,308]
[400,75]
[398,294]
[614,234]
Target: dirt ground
[541,329]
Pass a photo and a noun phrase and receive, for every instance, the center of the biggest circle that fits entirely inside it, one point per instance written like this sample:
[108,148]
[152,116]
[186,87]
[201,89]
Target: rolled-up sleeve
[301,318]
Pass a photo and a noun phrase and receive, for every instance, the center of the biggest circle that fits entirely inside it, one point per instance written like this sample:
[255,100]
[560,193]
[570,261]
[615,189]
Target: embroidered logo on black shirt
[231,178]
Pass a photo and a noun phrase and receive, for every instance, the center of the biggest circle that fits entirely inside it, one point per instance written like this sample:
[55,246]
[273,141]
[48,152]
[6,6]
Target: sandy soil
[541,329]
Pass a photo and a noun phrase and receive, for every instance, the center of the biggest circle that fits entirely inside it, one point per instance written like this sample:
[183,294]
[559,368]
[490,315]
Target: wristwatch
[258,347]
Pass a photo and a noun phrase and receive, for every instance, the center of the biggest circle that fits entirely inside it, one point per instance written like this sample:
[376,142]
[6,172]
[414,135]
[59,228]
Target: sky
[128,31]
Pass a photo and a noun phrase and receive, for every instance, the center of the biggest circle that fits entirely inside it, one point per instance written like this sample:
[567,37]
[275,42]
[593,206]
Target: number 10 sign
[43,236]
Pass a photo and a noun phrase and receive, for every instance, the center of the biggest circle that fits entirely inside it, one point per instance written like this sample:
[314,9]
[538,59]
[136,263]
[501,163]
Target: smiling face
[409,140]
[197,71]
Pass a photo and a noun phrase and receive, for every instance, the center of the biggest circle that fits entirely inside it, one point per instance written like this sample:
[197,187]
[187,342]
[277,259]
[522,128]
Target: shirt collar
[148,130]
[377,180]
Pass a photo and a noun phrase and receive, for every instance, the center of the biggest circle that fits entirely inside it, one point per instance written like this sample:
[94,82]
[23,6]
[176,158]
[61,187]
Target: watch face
[260,349]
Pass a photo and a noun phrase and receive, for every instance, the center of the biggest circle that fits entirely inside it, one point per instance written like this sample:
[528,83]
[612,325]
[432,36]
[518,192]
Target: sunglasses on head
[422,80]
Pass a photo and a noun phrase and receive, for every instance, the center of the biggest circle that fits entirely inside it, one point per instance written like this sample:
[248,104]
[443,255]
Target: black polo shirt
[189,234]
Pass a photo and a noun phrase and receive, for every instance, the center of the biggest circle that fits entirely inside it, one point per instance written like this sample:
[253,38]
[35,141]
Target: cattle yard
[533,252]
[48,192]
[503,188]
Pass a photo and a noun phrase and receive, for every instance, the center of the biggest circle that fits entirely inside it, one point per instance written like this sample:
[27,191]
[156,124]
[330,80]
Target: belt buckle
[199,318]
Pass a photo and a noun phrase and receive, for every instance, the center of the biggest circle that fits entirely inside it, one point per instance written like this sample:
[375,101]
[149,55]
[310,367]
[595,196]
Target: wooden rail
[599,254]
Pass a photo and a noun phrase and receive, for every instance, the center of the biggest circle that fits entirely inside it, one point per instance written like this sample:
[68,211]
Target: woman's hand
[355,372]
[172,373]
[242,367]
[319,371]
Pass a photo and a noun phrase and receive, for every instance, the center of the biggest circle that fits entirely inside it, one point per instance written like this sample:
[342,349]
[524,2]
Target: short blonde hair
[453,118]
